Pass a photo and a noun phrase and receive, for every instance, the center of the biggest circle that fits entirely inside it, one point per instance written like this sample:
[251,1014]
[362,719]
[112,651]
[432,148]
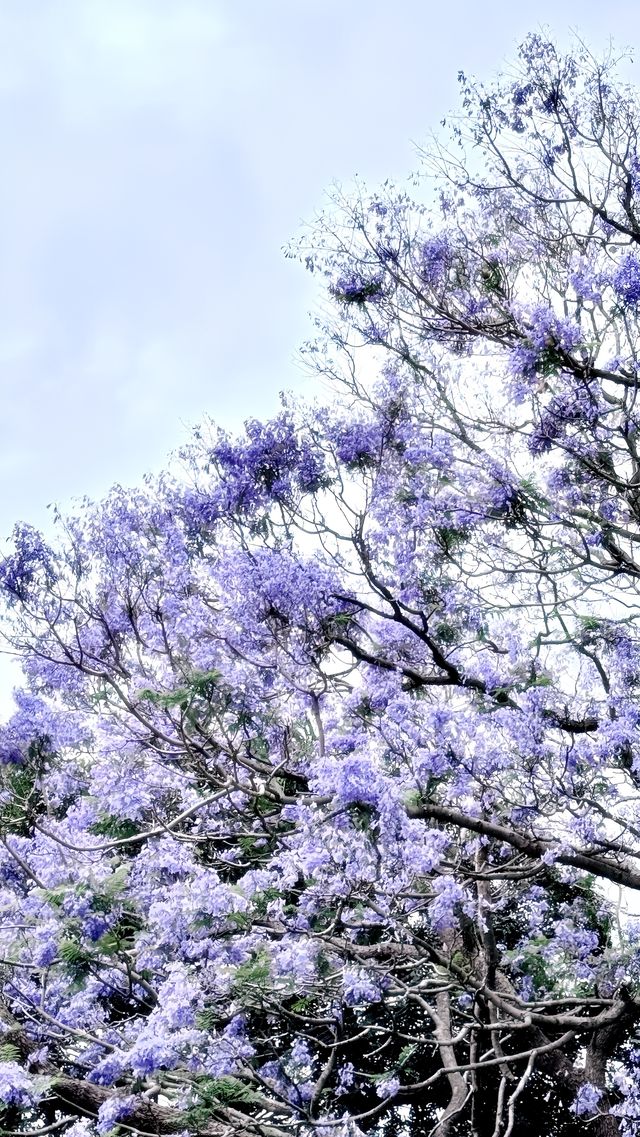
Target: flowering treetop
[321,800]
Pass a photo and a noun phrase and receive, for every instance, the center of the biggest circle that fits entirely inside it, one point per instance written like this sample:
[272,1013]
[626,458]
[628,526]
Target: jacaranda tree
[320,808]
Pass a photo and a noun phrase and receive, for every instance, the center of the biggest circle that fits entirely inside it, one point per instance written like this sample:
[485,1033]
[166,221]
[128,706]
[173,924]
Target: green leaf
[255,972]
[72,953]
[9,1052]
[541,681]
[406,1054]
[590,623]
[302,1005]
[211,1093]
[117,828]
[224,1090]
[207,1020]
[115,884]
[261,900]
[200,684]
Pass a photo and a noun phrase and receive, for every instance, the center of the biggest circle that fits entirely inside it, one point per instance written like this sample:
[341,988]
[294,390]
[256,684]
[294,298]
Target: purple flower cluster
[434,260]
[626,280]
[450,900]
[358,443]
[113,1110]
[31,556]
[568,409]
[546,329]
[354,288]
[388,1088]
[587,1099]
[269,463]
[10,755]
[359,987]
[17,1087]
[108,1069]
[272,462]
[627,1083]
[587,280]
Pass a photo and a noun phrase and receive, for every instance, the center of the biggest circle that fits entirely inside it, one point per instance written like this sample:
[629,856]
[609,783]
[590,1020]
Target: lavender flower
[113,1110]
[586,1100]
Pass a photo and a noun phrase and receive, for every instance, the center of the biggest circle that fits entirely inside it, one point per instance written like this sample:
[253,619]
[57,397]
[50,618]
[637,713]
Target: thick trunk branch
[535,847]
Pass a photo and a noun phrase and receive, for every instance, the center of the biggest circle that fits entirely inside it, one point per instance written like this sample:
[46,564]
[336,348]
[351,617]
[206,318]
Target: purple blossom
[563,411]
[358,443]
[272,462]
[46,952]
[299,1054]
[587,281]
[357,780]
[627,1083]
[450,898]
[545,329]
[360,987]
[346,1078]
[17,1087]
[354,288]
[587,1098]
[522,365]
[435,258]
[31,555]
[150,1054]
[579,942]
[113,1110]
[10,755]
[388,1088]
[626,280]
[94,926]
[109,1069]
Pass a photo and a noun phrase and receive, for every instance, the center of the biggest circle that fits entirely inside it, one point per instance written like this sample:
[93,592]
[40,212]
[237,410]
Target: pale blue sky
[156,155]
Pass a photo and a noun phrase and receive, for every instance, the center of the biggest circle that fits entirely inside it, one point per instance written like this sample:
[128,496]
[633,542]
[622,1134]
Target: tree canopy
[320,808]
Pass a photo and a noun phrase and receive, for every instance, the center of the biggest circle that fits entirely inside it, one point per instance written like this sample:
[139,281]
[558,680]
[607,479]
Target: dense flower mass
[16,1086]
[626,280]
[320,804]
